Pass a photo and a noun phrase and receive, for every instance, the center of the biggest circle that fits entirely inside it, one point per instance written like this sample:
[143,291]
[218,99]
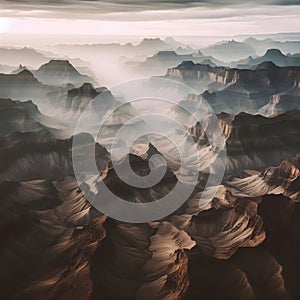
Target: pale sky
[149,18]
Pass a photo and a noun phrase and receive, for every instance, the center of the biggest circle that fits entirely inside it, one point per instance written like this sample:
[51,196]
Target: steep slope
[55,230]
[60,72]
[73,247]
[25,86]
[288,100]
[23,117]
[236,90]
[255,142]
[19,69]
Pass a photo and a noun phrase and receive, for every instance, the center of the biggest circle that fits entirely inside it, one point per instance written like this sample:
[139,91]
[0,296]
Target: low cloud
[119,6]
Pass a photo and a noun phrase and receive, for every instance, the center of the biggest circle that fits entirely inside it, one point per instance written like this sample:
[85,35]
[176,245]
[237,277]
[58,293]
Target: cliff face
[108,259]
[288,100]
[236,90]
[77,244]
[254,142]
[189,71]
[242,243]
[57,101]
[23,77]
[25,116]
[19,116]
[25,86]
[75,100]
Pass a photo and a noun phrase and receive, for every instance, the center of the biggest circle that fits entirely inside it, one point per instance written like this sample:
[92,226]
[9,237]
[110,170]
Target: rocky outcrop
[72,103]
[19,69]
[144,261]
[107,259]
[288,100]
[255,142]
[60,72]
[235,90]
[17,116]
[25,86]
[57,233]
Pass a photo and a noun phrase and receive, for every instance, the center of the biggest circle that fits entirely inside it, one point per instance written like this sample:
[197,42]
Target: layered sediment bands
[265,75]
[276,190]
[284,179]
[188,70]
[243,243]
[236,90]
[254,142]
[21,86]
[53,232]
[39,155]
[285,101]
[139,195]
[141,262]
[25,86]
[91,104]
[219,233]
[17,116]
[77,99]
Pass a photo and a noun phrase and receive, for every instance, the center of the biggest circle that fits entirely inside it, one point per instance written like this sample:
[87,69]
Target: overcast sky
[148,18]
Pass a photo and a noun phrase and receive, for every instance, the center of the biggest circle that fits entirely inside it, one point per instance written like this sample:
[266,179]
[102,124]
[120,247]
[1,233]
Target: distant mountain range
[230,50]
[273,55]
[262,45]
[233,50]
[147,47]
[25,56]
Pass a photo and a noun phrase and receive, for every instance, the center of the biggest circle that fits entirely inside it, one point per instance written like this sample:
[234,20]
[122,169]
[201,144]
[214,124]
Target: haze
[115,19]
